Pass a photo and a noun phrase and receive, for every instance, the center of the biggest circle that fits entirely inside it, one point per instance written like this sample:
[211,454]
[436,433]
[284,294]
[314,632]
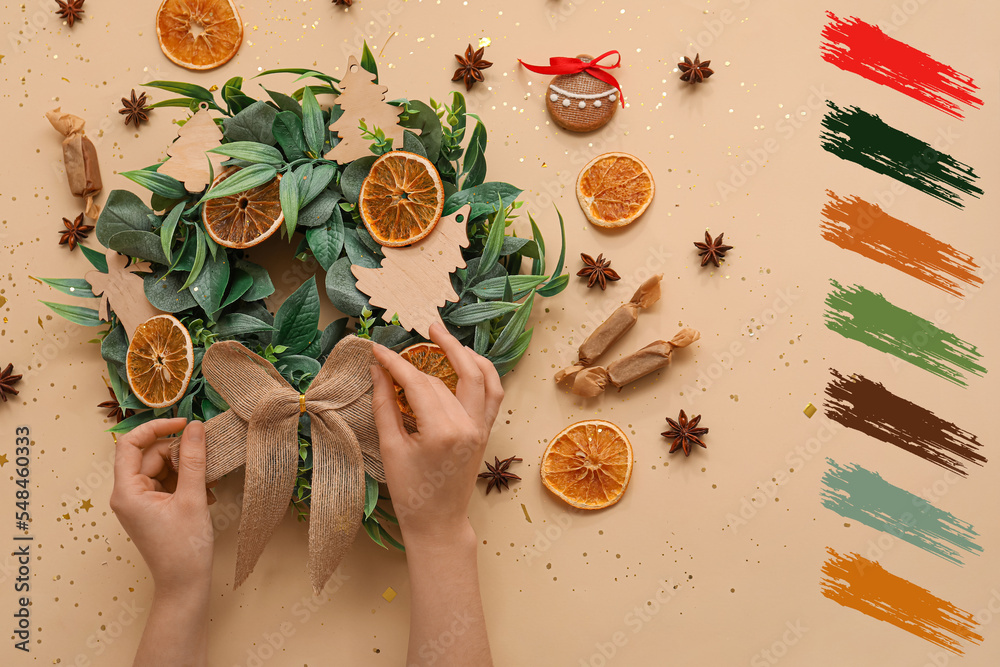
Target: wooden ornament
[189,163]
[414,281]
[362,100]
[121,290]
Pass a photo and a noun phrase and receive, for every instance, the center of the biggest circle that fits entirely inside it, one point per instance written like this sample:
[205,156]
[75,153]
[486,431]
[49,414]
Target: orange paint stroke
[856,225]
[864,585]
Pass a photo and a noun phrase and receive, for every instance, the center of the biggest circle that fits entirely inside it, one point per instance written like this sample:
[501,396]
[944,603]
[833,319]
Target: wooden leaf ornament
[362,100]
[414,281]
[189,163]
[121,290]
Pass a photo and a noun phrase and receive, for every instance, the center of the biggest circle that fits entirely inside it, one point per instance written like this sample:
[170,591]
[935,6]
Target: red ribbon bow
[562,65]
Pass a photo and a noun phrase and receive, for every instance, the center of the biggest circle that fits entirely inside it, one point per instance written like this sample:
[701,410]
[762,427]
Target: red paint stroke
[857,225]
[864,585]
[862,48]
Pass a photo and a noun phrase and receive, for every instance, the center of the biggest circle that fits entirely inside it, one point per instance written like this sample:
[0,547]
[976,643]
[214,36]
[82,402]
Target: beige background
[559,587]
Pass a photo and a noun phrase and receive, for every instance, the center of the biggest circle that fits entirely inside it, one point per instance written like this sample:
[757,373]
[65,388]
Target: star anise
[7,382]
[75,232]
[712,251]
[114,408]
[685,433]
[695,71]
[597,271]
[135,109]
[498,473]
[471,66]
[345,3]
[71,10]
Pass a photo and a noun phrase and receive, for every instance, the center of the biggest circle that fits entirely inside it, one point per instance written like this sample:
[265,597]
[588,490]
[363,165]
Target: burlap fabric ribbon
[260,431]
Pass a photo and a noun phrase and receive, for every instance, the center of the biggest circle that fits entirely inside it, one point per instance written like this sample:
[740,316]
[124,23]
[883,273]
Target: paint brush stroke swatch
[869,318]
[865,139]
[862,48]
[856,493]
[858,583]
[854,224]
[868,407]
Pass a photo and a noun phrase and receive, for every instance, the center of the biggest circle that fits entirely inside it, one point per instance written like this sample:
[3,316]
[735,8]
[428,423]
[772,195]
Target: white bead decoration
[554,97]
[582,105]
[566,102]
[597,104]
[611,98]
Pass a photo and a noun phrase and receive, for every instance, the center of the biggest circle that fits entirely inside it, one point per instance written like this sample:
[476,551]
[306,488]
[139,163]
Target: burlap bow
[260,430]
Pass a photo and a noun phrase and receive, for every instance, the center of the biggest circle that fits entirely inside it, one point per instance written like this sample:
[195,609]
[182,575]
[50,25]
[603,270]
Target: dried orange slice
[588,464]
[614,189]
[245,219]
[401,199]
[199,34]
[430,359]
[160,361]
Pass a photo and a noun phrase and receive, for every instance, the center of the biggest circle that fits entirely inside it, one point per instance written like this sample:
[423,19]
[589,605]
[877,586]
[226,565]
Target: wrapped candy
[80,159]
[595,380]
[612,329]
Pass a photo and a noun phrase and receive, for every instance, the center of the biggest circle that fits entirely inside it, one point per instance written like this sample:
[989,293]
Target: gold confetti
[40,325]
[810,410]
[3,459]
[3,301]
[484,41]
[66,516]
[389,594]
[86,505]
[525,510]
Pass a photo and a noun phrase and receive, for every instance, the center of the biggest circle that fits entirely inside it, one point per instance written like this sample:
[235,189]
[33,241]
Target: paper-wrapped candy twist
[260,430]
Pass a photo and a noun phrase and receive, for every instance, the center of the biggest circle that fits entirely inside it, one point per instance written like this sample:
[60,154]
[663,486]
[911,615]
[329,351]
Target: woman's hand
[166,513]
[431,473]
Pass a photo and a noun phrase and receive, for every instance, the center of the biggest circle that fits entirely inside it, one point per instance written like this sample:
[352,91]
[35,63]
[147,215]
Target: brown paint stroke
[867,406]
[856,582]
[864,228]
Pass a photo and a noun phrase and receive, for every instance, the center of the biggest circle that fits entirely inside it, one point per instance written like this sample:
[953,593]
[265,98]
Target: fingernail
[196,430]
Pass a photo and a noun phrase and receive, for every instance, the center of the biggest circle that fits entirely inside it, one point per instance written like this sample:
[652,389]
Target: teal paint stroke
[856,493]
[870,318]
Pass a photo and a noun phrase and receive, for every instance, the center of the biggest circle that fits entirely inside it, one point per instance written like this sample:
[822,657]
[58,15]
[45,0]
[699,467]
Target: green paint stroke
[856,493]
[869,318]
[858,136]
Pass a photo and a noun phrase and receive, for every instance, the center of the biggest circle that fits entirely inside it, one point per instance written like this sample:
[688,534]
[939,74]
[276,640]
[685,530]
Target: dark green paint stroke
[869,318]
[858,136]
[856,493]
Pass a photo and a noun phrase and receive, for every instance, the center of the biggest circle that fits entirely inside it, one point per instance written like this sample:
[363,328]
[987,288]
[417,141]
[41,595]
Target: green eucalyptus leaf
[167,230]
[313,124]
[243,180]
[512,244]
[114,348]
[320,177]
[412,144]
[185,408]
[505,363]
[537,266]
[368,61]
[165,291]
[494,242]
[288,191]
[96,259]
[318,211]
[138,419]
[122,211]
[327,241]
[354,176]
[342,290]
[137,243]
[554,286]
[297,319]
[181,88]
[493,288]
[562,246]
[200,251]
[161,184]
[250,151]
[87,317]
[72,286]
[252,124]
[210,287]
[481,340]
[240,283]
[426,121]
[474,313]
[293,366]
[483,198]
[285,102]
[358,252]
[287,131]
[393,336]
[371,494]
[215,398]
[262,285]
[332,335]
[513,329]
[176,102]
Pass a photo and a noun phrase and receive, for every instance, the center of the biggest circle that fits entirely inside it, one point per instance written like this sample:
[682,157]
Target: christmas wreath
[289,142]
